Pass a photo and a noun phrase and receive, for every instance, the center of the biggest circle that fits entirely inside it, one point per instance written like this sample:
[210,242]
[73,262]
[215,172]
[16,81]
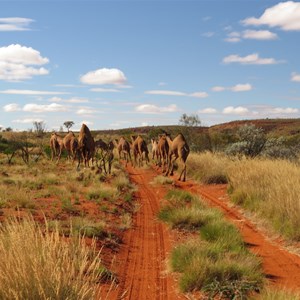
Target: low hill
[273,127]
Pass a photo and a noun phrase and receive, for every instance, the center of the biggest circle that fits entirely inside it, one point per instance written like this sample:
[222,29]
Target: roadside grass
[271,190]
[164,180]
[208,167]
[38,264]
[80,226]
[217,262]
[185,211]
[268,188]
[273,293]
[103,191]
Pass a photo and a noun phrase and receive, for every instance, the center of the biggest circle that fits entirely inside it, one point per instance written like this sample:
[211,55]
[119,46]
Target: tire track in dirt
[141,261]
[281,267]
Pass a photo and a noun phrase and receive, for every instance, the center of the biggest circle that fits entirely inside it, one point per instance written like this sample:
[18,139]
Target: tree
[68,124]
[190,121]
[39,128]
[251,141]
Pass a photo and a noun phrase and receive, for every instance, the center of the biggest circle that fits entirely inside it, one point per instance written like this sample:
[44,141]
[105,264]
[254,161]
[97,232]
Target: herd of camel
[165,151]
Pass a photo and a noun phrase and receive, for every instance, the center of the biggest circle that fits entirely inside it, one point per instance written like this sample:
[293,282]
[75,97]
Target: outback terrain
[125,216]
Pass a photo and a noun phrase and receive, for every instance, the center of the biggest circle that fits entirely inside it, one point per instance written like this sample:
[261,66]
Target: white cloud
[295,77]
[176,93]
[208,110]
[16,63]
[287,110]
[102,90]
[252,59]
[71,100]
[234,37]
[237,88]
[154,109]
[85,111]
[104,76]
[38,108]
[145,124]
[11,107]
[28,120]
[15,24]
[259,35]
[31,92]
[218,89]
[239,110]
[241,87]
[199,95]
[165,93]
[285,15]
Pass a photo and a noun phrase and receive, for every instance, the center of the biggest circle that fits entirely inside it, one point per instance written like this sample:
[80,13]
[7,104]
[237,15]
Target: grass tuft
[39,265]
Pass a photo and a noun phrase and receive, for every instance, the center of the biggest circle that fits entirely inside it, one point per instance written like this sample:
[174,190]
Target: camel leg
[172,164]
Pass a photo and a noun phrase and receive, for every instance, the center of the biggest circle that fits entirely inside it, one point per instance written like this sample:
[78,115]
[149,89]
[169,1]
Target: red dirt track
[142,259]
[141,262]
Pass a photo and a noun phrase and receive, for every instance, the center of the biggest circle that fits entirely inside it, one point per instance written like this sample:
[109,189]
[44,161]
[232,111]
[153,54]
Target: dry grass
[208,167]
[39,265]
[270,189]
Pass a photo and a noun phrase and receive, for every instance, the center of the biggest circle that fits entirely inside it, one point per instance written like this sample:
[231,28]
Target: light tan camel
[86,146]
[178,148]
[154,149]
[163,152]
[56,145]
[123,147]
[139,147]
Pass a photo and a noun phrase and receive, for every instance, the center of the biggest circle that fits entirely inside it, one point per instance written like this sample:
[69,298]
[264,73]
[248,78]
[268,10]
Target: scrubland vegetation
[267,187]
[217,261]
[263,176]
[44,249]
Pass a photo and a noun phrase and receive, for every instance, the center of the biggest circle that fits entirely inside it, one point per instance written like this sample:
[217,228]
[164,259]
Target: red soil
[141,262]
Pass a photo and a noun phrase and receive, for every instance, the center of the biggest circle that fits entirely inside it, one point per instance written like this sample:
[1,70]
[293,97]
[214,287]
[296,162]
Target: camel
[123,146]
[86,145]
[163,151]
[56,145]
[139,147]
[178,148]
[70,142]
[106,154]
[154,149]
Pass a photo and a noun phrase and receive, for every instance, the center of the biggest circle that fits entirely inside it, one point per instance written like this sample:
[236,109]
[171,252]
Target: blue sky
[117,64]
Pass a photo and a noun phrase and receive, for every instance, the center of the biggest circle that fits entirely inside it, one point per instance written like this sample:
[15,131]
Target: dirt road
[142,259]
[141,262]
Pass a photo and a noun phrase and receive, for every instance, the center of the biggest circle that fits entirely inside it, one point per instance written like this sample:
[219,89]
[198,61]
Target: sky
[120,64]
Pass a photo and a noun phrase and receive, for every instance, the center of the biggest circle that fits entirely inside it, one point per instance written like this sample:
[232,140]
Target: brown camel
[86,145]
[139,147]
[104,153]
[69,142]
[163,151]
[56,145]
[178,148]
[123,147]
